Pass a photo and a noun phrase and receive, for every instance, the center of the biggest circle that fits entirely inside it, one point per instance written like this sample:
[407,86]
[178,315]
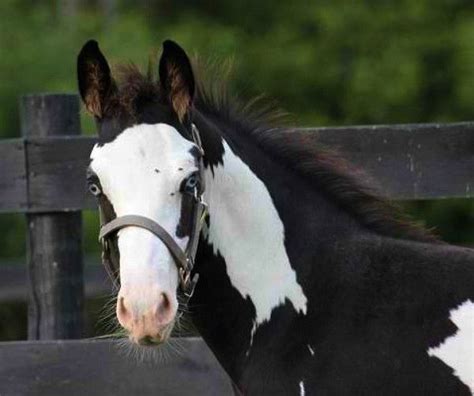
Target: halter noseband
[184,260]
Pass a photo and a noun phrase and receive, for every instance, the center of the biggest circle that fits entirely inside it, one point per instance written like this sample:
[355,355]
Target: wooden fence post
[54,243]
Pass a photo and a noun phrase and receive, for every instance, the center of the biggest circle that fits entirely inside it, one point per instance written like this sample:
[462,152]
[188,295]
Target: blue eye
[191,183]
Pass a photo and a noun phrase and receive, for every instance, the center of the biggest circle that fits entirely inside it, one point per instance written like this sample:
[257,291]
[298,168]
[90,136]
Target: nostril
[123,314]
[143,317]
[164,311]
[164,304]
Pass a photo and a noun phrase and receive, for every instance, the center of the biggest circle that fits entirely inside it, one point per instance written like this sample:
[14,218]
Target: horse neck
[255,258]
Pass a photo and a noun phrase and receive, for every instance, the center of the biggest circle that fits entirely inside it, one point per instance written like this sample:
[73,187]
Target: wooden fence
[90,368]
[43,176]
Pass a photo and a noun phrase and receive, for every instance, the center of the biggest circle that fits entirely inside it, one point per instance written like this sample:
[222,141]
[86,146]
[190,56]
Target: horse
[297,275]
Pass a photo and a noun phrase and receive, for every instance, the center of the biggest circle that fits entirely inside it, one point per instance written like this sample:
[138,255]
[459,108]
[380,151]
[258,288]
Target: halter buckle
[197,138]
[188,284]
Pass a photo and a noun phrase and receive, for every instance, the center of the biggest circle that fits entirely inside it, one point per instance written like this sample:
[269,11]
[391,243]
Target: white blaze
[140,172]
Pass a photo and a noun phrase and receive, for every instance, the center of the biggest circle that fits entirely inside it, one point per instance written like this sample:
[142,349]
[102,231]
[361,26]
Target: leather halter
[184,260]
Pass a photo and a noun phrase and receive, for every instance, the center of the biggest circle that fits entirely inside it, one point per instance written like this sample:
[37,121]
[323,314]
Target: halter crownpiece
[184,260]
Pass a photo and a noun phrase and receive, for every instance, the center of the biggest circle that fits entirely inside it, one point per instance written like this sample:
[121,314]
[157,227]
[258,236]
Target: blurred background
[328,63]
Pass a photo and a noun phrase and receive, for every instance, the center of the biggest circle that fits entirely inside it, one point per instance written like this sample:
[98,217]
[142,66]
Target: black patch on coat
[378,298]
[224,318]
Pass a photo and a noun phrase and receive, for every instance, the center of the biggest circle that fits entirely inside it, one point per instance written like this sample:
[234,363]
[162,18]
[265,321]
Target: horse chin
[153,341]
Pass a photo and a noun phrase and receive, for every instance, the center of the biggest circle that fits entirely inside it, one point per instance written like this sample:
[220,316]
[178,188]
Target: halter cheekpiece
[184,260]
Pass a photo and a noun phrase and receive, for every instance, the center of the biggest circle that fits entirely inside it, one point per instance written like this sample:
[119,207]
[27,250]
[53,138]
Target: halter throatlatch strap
[184,260]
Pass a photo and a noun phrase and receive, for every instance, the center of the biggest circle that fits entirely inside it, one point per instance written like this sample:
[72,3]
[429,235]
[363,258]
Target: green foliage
[328,63]
[338,62]
[452,219]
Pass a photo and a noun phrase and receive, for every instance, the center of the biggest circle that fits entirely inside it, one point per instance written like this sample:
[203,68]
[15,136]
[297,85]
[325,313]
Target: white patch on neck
[247,231]
[302,390]
[311,350]
[457,351]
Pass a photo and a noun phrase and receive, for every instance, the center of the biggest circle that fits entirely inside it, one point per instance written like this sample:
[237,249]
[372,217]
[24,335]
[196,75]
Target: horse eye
[94,189]
[191,184]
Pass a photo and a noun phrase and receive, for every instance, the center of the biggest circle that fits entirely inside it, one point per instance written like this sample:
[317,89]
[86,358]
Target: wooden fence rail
[14,286]
[425,161]
[43,176]
[100,368]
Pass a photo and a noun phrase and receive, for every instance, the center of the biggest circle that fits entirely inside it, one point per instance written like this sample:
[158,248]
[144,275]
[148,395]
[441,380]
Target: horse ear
[176,78]
[94,78]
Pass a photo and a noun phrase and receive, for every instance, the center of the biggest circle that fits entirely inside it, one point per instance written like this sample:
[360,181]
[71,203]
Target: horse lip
[150,341]
[156,340]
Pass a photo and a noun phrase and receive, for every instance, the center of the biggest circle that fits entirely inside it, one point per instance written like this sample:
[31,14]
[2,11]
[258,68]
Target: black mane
[324,168]
[301,151]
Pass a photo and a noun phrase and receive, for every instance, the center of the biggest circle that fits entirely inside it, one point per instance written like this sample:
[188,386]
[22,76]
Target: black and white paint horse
[309,284]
